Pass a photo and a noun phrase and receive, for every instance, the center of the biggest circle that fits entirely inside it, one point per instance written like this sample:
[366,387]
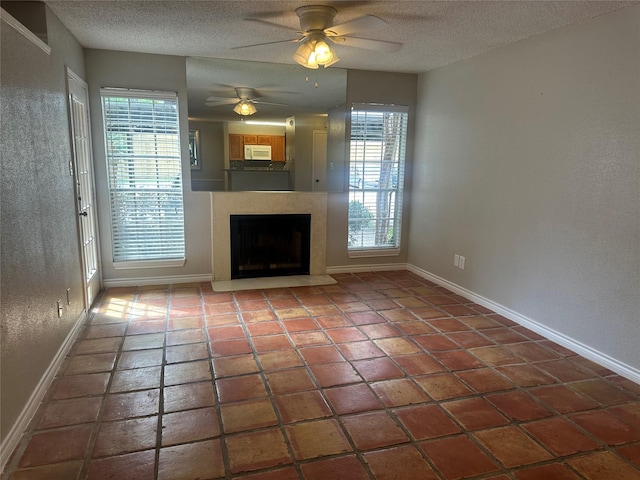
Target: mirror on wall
[293,105]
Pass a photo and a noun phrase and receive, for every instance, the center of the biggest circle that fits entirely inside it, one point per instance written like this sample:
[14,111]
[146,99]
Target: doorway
[82,170]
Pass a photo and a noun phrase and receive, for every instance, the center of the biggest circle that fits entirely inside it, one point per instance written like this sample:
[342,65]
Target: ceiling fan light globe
[245,108]
[323,53]
[305,55]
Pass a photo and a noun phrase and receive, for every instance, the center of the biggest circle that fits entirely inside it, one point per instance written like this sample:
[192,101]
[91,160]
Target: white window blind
[142,138]
[376,172]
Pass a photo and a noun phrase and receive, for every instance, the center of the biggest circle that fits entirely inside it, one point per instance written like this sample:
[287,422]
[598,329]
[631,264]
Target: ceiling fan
[316,27]
[244,101]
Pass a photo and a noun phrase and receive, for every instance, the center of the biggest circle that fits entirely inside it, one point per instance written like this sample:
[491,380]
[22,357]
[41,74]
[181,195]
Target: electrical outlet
[456,260]
[461,262]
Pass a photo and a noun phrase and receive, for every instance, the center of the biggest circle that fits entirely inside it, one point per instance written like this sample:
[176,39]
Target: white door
[85,190]
[319,160]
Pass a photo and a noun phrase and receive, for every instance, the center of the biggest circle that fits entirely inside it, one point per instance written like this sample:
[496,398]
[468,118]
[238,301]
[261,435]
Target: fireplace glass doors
[270,245]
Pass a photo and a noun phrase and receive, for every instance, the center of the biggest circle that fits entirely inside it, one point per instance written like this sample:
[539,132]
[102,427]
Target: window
[142,138]
[376,172]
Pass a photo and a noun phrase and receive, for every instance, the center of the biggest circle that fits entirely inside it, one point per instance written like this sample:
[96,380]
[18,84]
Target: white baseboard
[143,281]
[380,267]
[12,439]
[586,351]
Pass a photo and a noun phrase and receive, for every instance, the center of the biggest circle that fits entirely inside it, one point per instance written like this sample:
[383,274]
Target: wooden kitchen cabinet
[251,139]
[236,147]
[264,139]
[277,148]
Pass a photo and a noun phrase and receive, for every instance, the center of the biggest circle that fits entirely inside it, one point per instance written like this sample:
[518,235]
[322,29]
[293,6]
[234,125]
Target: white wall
[527,163]
[152,72]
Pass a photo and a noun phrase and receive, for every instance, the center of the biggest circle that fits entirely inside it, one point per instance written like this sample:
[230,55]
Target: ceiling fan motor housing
[315,17]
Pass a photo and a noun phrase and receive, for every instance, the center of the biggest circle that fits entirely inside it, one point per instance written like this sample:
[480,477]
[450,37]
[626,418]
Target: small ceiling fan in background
[316,27]
[244,101]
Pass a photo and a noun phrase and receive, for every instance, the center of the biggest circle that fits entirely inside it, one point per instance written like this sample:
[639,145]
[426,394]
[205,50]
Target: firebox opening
[270,245]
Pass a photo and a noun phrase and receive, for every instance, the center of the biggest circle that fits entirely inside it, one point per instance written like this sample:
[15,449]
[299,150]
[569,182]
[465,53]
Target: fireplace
[270,245]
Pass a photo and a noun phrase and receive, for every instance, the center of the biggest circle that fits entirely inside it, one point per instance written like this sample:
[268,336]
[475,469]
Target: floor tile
[458,457]
[130,466]
[140,359]
[137,379]
[426,421]
[58,471]
[257,450]
[332,374]
[374,430]
[57,446]
[186,353]
[383,375]
[554,471]
[119,406]
[474,413]
[399,392]
[300,406]
[375,369]
[511,446]
[233,366]
[188,396]
[443,386]
[341,468]
[96,363]
[236,389]
[316,439]
[518,406]
[562,399]
[191,461]
[80,385]
[602,392]
[560,436]
[600,465]
[397,346]
[189,426]
[399,463]
[248,415]
[289,381]
[485,380]
[607,427]
[126,436]
[61,413]
[352,399]
[227,348]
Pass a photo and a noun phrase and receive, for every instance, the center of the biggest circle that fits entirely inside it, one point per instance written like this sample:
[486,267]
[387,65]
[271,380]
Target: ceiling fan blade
[270,103]
[221,101]
[368,22]
[367,43]
[291,40]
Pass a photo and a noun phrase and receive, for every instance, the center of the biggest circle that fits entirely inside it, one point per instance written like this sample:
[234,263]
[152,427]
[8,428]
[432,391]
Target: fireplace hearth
[270,245]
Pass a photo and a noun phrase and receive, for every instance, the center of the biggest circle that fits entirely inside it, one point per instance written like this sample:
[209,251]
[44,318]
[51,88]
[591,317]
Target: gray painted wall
[211,174]
[527,163]
[151,72]
[39,257]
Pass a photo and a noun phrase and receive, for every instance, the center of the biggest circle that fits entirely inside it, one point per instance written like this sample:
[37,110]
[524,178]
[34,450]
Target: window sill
[374,252]
[138,264]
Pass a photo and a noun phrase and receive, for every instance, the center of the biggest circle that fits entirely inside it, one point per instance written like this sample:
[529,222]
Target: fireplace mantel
[224,204]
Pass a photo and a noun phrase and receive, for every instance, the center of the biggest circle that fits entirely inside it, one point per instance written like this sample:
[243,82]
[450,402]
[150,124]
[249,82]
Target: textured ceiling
[433,33]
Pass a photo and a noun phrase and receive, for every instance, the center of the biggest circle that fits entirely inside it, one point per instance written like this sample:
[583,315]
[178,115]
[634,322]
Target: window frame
[151,185]
[361,184]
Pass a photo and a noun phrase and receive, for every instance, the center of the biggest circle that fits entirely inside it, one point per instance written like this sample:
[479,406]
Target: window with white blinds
[142,139]
[376,172]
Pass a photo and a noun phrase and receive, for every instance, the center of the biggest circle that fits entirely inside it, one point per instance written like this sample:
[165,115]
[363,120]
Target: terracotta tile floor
[383,375]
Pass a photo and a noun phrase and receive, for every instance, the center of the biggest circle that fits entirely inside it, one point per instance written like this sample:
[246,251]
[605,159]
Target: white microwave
[257,152]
